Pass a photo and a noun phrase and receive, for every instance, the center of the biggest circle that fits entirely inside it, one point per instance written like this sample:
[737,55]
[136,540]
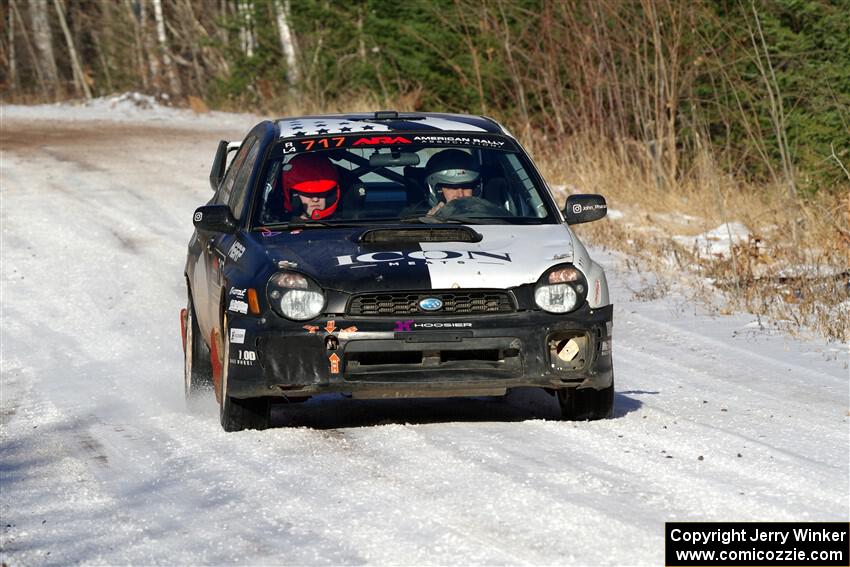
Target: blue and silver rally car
[390,255]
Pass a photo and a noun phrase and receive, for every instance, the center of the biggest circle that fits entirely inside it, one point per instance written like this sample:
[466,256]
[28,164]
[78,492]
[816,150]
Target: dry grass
[793,269]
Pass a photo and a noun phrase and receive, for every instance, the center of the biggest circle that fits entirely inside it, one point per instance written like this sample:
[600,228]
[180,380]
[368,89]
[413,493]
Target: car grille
[454,302]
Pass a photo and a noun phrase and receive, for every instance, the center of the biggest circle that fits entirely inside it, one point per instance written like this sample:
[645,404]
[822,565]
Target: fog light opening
[567,351]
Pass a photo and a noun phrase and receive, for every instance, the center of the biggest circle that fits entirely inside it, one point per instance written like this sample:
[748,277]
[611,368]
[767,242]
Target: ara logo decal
[431,304]
[395,258]
[381,141]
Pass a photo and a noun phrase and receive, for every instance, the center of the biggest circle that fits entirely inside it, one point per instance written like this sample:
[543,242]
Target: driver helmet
[451,168]
[312,175]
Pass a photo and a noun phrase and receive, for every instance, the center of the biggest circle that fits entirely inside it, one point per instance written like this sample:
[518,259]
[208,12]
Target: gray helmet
[451,168]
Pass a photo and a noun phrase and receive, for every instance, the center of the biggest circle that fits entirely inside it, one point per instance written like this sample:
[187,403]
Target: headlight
[295,296]
[557,298]
[560,290]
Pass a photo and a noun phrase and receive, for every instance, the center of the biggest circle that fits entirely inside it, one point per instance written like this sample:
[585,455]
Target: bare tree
[173,79]
[13,75]
[247,38]
[46,62]
[287,43]
[79,79]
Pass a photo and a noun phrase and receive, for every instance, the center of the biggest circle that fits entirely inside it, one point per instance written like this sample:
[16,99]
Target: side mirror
[218,165]
[584,208]
[215,218]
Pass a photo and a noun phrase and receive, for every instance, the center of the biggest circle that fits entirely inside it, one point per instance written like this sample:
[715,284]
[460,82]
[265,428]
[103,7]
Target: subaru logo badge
[430,304]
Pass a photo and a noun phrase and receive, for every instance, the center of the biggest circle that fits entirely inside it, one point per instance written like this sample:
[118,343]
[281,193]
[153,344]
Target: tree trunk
[173,79]
[245,9]
[148,47]
[44,44]
[30,49]
[287,43]
[79,79]
[13,71]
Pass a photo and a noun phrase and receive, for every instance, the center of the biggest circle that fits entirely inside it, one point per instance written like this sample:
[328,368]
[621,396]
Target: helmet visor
[329,195]
[323,186]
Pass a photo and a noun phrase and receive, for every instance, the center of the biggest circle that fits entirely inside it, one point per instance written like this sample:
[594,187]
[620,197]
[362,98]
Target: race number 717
[324,143]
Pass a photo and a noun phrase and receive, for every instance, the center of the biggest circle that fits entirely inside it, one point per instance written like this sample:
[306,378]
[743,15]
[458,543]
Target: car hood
[505,256]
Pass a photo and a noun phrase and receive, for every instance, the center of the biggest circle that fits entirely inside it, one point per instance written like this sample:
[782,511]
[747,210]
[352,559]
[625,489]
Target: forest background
[717,110]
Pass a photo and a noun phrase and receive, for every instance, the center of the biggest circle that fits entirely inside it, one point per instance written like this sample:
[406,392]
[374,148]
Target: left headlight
[295,296]
[561,290]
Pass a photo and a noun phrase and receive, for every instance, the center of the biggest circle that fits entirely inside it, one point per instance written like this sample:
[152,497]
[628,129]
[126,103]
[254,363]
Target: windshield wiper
[299,224]
[425,219]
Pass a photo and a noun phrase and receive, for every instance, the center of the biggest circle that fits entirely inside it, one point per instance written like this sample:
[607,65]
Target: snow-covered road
[100,463]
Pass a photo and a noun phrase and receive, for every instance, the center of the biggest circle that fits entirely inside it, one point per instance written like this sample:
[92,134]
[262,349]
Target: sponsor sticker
[236,292]
[238,306]
[403,326]
[237,336]
[244,357]
[396,257]
[236,251]
[381,141]
[199,216]
[334,360]
[442,325]
[311,329]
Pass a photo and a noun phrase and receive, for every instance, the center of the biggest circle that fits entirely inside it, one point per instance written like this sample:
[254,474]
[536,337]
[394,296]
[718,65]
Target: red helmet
[313,175]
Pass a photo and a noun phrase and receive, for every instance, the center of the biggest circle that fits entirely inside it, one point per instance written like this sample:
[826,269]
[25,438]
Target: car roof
[385,121]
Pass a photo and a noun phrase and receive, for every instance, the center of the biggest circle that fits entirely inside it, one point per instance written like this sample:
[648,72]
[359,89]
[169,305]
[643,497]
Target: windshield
[481,179]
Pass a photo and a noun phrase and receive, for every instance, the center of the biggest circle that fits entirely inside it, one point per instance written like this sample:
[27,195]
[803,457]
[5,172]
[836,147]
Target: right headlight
[295,296]
[560,290]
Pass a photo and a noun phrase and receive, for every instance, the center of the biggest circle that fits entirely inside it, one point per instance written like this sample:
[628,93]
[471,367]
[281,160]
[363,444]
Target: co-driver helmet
[451,168]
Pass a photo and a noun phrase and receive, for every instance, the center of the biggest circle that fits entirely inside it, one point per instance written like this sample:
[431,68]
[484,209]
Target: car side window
[226,187]
[239,191]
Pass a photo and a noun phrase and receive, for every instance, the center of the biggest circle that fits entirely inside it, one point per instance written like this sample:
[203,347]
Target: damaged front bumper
[427,356]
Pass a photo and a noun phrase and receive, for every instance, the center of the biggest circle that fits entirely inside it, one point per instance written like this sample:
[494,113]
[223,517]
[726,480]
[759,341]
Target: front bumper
[419,356]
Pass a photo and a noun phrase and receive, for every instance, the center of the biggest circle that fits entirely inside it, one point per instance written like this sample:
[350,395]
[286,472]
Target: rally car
[388,255]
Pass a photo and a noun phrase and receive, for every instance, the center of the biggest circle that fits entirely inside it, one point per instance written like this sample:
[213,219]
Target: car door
[212,252]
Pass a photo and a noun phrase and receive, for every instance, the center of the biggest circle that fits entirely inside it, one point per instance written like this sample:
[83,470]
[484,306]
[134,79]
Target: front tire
[586,404]
[197,369]
[236,414]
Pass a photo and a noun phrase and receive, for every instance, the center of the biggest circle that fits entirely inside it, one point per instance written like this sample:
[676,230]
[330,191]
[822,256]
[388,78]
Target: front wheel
[197,369]
[236,414]
[586,404]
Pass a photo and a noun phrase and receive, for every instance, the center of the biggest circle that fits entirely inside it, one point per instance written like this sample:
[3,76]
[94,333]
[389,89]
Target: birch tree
[173,79]
[13,74]
[247,38]
[287,43]
[46,62]
[79,78]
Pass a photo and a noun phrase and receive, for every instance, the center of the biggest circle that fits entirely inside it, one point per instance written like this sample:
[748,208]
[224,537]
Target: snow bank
[129,107]
[716,242]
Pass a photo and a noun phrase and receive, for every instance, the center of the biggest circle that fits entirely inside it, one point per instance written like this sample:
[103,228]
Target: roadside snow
[128,107]
[716,418]
[716,242]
